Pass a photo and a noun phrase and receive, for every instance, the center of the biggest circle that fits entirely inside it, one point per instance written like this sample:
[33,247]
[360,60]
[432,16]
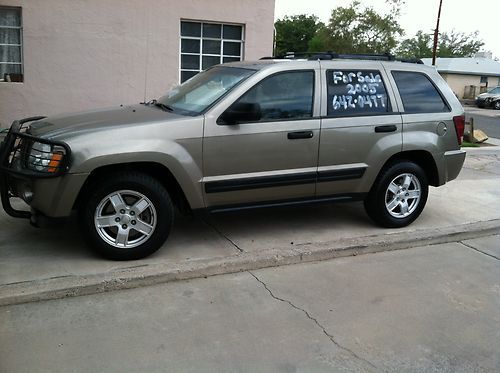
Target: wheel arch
[159,171]
[421,157]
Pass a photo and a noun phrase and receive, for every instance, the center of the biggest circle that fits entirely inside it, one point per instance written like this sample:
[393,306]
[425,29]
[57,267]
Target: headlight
[45,158]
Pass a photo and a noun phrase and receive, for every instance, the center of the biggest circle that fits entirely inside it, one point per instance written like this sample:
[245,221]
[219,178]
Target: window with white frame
[11,49]
[204,44]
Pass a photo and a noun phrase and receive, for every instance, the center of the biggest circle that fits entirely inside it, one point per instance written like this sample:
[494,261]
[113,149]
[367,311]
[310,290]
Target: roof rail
[313,56]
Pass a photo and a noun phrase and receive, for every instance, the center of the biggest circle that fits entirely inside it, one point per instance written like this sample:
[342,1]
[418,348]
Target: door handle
[389,128]
[300,135]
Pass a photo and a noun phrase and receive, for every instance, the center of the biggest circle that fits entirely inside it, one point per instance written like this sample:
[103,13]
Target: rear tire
[398,196]
[496,105]
[126,216]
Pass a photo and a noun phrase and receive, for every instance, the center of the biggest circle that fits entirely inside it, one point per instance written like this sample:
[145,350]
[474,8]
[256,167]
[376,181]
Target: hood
[488,94]
[95,120]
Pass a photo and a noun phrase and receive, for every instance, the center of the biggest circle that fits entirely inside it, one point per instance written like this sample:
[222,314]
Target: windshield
[202,90]
[495,91]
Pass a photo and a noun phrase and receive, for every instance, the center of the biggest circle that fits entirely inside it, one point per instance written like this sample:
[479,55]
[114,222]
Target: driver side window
[283,96]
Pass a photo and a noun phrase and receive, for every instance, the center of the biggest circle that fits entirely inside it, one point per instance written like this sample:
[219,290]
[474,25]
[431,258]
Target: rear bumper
[480,102]
[453,162]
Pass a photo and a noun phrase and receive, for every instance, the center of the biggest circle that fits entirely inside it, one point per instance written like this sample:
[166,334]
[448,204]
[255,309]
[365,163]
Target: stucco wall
[82,54]
[457,82]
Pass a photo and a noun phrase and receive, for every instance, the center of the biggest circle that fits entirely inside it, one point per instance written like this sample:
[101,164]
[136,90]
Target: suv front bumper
[16,179]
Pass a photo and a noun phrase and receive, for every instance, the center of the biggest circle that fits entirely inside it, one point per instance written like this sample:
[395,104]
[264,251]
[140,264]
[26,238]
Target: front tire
[126,216]
[398,196]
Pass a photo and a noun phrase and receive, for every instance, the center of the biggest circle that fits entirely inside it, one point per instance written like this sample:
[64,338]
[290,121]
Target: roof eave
[468,73]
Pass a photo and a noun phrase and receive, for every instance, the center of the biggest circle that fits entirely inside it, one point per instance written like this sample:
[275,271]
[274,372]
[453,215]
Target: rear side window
[418,93]
[356,92]
[288,95]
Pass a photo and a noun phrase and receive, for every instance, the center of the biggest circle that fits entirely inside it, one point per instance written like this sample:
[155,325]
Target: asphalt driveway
[487,120]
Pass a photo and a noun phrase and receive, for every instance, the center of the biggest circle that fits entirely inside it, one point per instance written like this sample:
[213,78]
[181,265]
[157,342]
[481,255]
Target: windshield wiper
[154,102]
[163,106]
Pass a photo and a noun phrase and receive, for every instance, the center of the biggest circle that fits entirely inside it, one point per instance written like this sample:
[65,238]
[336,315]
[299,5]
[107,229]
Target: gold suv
[237,136]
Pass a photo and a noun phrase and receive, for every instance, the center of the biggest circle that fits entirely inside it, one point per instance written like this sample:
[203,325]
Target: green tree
[420,46]
[357,29]
[452,44]
[294,33]
[459,44]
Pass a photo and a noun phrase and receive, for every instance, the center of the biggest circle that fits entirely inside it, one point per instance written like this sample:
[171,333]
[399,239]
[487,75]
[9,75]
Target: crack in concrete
[479,251]
[323,329]
[223,236]
[28,281]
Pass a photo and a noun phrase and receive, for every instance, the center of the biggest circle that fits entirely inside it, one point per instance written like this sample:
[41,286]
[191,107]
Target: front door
[271,156]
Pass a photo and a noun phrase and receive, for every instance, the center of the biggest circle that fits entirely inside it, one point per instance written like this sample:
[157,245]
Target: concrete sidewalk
[38,264]
[427,309]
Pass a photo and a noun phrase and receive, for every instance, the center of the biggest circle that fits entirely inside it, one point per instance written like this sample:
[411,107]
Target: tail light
[459,127]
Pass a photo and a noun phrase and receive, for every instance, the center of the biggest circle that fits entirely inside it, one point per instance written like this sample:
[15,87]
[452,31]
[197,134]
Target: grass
[466,144]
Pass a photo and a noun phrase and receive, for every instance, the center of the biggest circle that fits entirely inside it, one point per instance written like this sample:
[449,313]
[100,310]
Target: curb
[152,274]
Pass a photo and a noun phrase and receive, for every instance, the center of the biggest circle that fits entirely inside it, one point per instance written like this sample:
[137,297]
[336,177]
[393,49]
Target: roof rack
[313,56]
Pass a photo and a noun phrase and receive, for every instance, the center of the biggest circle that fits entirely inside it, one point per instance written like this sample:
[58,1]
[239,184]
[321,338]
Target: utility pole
[436,33]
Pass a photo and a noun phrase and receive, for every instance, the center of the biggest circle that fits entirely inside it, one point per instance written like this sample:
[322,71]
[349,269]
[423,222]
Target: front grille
[17,156]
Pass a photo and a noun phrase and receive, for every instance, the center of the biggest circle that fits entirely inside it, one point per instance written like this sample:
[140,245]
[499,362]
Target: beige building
[67,55]
[468,77]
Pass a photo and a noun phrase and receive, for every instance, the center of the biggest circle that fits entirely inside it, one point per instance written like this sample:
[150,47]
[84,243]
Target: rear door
[274,158]
[427,115]
[360,127]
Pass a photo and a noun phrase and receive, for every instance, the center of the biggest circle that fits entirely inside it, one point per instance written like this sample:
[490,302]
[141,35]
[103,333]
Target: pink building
[60,55]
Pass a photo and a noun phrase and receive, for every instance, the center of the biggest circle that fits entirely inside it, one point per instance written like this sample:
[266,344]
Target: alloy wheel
[403,195]
[125,219]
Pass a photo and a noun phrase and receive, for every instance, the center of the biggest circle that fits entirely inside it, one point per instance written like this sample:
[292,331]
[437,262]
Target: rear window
[356,93]
[418,93]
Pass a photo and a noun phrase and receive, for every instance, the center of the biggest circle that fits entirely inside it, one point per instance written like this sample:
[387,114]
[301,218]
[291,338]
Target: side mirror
[240,112]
